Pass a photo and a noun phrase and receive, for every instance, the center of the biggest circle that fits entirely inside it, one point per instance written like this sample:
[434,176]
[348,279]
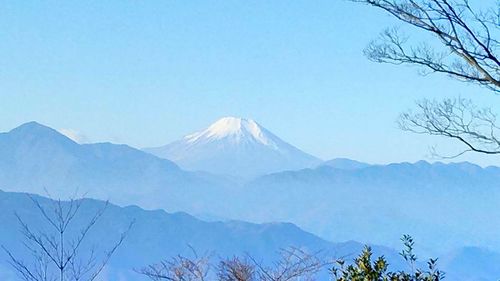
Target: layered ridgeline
[38,159]
[158,235]
[444,206]
[237,147]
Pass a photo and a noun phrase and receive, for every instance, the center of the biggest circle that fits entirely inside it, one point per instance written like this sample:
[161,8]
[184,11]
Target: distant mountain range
[444,206]
[34,157]
[157,235]
[345,164]
[381,202]
[237,147]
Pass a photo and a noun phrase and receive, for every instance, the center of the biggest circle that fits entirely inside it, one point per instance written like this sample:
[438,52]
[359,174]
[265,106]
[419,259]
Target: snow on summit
[237,147]
[238,129]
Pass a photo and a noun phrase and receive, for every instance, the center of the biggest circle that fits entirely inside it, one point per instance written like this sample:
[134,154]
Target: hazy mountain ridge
[382,202]
[345,164]
[157,235]
[375,203]
[34,157]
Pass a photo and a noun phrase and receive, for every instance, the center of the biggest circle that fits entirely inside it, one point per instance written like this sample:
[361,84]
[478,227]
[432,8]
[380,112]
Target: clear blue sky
[148,72]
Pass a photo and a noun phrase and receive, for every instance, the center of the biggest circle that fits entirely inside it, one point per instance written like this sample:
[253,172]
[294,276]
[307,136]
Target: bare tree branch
[457,119]
[56,256]
[179,268]
[294,264]
[236,269]
[469,49]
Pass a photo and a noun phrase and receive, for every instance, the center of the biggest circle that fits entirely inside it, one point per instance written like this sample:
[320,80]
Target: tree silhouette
[56,255]
[466,47]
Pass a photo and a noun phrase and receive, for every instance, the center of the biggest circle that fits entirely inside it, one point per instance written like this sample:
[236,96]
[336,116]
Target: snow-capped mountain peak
[235,129]
[235,146]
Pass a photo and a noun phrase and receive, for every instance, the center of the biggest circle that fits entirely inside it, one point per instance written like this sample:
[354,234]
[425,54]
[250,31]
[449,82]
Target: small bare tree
[236,269]
[179,268]
[293,264]
[467,48]
[55,255]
